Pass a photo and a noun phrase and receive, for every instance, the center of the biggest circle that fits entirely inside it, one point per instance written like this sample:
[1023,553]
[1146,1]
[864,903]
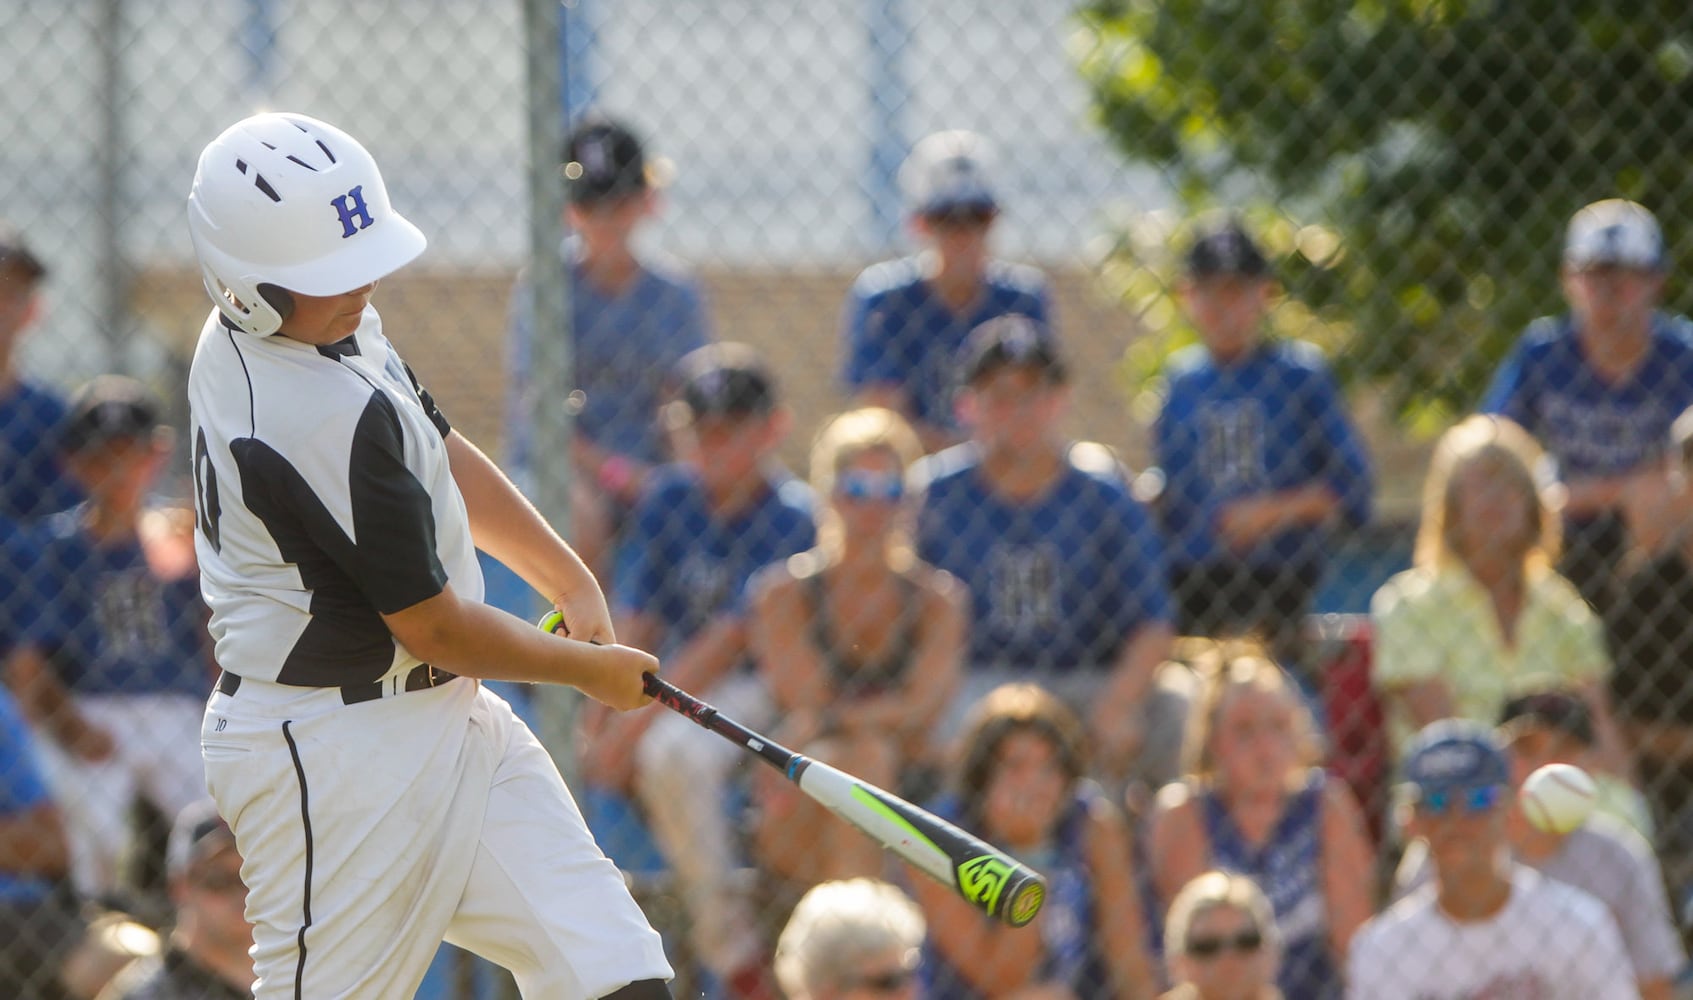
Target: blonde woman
[859,642]
[1255,803]
[1482,614]
[1222,942]
[851,940]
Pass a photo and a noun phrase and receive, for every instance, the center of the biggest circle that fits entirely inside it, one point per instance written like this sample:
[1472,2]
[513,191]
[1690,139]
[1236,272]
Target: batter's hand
[613,677]
[586,617]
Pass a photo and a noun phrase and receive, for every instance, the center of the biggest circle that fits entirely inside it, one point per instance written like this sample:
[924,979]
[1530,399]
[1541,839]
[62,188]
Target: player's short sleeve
[1403,653]
[391,557]
[1507,394]
[1648,933]
[1343,460]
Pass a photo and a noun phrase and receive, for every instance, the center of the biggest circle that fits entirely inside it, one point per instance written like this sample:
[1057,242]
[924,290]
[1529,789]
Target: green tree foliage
[1445,143]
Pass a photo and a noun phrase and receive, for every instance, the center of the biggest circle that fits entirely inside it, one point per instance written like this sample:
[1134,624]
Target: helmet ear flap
[279,298]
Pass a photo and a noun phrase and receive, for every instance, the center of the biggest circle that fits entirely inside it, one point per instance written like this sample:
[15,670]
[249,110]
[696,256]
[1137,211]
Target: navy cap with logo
[725,380]
[604,159]
[1009,340]
[107,408]
[1454,756]
[15,255]
[1224,247]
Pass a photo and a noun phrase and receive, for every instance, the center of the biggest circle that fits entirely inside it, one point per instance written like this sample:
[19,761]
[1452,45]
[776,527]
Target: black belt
[419,678]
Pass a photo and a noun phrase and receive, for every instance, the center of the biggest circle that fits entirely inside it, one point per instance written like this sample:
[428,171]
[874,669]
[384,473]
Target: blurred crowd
[1111,673]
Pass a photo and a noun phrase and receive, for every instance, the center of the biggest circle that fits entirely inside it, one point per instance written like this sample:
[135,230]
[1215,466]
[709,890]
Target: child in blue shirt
[906,319]
[113,668]
[701,529]
[1600,386]
[1064,568]
[32,483]
[1258,454]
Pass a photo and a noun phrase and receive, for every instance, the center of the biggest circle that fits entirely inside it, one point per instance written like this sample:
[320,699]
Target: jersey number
[207,510]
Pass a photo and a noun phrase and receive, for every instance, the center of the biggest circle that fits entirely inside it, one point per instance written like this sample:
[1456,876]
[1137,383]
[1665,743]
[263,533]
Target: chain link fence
[1262,260]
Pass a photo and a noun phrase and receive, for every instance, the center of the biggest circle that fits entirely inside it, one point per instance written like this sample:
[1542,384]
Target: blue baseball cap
[1455,755]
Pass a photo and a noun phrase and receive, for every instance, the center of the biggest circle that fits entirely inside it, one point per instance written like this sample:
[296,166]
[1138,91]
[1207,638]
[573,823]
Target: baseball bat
[987,878]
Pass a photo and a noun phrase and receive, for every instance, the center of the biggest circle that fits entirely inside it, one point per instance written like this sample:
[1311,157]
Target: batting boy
[382,799]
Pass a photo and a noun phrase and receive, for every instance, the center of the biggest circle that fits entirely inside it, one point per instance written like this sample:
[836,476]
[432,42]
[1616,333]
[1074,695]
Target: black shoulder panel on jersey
[436,417]
[393,565]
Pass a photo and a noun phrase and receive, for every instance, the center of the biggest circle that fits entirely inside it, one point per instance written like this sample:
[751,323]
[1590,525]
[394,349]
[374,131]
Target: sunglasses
[1246,942]
[1470,800]
[891,981]
[859,485]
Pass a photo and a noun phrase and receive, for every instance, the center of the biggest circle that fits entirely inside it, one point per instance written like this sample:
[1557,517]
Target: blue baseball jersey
[683,565]
[107,624]
[1273,420]
[32,484]
[1057,583]
[1590,426]
[21,790]
[626,347]
[897,331]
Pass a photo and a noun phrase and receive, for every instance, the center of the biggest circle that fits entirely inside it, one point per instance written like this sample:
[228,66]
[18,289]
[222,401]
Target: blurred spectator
[1258,455]
[633,314]
[907,319]
[206,958]
[1020,785]
[114,669]
[1221,940]
[1600,386]
[1064,568]
[851,940]
[32,483]
[1256,802]
[1604,858]
[39,922]
[1650,631]
[1482,614]
[1486,925]
[859,642]
[702,528]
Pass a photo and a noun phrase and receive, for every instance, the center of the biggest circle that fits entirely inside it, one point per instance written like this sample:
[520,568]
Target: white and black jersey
[324,499]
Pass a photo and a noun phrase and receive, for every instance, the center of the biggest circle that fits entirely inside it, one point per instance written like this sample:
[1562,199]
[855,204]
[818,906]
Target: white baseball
[1557,798]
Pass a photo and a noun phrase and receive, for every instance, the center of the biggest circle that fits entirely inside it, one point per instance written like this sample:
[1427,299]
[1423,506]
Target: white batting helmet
[287,200]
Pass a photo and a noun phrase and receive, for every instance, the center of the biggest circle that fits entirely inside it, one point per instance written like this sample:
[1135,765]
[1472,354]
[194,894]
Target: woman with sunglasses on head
[851,940]
[1221,942]
[1255,802]
[1020,784]
[858,641]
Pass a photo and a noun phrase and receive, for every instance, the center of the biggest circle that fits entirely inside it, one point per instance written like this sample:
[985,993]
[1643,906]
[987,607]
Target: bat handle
[653,687]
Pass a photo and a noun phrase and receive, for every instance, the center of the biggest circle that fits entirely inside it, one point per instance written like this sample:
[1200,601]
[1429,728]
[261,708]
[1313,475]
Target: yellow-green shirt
[1441,626]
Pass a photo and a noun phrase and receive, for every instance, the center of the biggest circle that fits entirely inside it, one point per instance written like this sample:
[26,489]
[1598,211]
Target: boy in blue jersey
[1258,455]
[32,483]
[1064,568]
[1600,386]
[906,319]
[702,528]
[632,317]
[113,669]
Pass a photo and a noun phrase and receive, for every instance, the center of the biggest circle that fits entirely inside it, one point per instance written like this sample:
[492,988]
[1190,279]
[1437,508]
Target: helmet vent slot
[303,163]
[264,185]
[326,151]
